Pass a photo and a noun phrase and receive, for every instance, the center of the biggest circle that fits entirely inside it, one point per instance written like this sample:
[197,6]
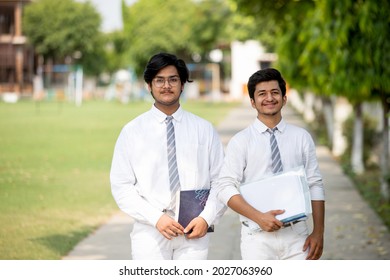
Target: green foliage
[209,25]
[154,26]
[58,29]
[182,27]
[242,27]
[344,51]
[54,171]
[332,47]
[274,19]
[116,45]
[96,60]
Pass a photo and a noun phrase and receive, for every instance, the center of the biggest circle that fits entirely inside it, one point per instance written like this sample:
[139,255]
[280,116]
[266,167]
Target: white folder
[287,190]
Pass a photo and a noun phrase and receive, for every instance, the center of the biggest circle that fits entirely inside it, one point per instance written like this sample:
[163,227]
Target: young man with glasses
[271,146]
[158,154]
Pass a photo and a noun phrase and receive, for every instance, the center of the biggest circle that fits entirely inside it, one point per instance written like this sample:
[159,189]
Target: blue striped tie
[171,148]
[275,155]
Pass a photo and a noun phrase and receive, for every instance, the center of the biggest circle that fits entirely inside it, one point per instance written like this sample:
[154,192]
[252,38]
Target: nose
[166,82]
[269,96]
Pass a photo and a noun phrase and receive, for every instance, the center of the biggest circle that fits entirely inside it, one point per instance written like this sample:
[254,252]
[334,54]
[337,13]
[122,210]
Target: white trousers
[147,243]
[284,244]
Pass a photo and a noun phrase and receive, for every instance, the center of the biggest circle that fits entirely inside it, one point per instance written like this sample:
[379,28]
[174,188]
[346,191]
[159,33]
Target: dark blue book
[190,204]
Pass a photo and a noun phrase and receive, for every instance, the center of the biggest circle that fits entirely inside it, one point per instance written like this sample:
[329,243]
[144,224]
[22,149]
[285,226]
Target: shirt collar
[262,128]
[160,116]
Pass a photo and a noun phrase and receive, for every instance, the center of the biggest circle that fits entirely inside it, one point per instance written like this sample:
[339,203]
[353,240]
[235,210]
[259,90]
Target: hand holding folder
[287,190]
[190,204]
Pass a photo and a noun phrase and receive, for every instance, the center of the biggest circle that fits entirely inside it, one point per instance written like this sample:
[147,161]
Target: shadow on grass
[62,244]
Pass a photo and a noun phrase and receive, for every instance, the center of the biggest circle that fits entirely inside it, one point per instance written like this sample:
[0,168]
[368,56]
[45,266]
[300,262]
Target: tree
[280,25]
[336,47]
[59,29]
[153,26]
[242,27]
[354,43]
[182,27]
[274,19]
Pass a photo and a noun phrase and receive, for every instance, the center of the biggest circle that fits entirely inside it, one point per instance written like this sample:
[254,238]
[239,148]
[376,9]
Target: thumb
[189,227]
[278,212]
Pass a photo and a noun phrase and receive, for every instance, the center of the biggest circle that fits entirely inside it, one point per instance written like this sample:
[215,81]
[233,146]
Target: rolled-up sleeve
[313,174]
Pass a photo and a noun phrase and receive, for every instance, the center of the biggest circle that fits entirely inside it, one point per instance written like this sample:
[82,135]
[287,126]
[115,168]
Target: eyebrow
[173,76]
[273,89]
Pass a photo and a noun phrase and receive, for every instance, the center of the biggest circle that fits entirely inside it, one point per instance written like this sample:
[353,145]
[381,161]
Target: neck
[270,121]
[167,110]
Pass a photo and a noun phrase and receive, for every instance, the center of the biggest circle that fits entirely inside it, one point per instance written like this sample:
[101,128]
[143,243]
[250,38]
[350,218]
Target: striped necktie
[275,155]
[171,148]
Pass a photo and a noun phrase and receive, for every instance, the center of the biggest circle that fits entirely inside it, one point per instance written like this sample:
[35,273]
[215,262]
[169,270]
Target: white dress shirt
[139,172]
[248,158]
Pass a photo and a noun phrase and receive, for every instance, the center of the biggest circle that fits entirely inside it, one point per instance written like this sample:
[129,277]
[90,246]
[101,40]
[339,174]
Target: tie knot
[272,130]
[168,119]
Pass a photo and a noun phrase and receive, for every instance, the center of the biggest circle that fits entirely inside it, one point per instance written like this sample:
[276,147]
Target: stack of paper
[288,191]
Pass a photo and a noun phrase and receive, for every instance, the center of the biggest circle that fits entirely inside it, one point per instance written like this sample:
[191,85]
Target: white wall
[245,58]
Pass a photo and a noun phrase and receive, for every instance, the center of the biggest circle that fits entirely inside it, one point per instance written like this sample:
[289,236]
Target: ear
[253,103]
[284,100]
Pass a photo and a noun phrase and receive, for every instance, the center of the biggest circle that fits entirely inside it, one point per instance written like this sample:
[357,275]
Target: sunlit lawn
[54,171]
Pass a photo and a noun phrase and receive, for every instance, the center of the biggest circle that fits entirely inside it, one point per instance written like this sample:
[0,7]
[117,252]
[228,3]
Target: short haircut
[265,75]
[161,60]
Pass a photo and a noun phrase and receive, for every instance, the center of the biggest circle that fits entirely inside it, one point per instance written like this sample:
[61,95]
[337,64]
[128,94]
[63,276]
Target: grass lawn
[54,171]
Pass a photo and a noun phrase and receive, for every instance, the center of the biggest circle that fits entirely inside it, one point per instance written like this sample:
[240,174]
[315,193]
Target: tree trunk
[384,154]
[48,69]
[357,141]
[295,100]
[308,113]
[328,116]
[342,110]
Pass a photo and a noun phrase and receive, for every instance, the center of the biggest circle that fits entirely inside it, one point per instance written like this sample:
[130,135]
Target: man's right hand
[169,227]
[267,220]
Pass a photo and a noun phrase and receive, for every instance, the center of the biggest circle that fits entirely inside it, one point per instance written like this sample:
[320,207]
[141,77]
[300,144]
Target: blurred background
[74,68]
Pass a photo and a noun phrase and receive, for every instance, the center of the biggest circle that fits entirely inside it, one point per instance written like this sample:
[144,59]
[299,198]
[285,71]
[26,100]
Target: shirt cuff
[317,193]
[225,194]
[208,215]
[153,218]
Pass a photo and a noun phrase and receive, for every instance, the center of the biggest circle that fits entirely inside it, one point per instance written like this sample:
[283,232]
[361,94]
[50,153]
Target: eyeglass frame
[154,81]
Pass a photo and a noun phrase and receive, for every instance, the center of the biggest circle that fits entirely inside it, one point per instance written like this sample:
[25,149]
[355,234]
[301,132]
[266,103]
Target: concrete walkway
[353,231]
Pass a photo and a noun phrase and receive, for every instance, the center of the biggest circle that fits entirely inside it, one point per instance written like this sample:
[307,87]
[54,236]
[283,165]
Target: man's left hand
[314,242]
[197,228]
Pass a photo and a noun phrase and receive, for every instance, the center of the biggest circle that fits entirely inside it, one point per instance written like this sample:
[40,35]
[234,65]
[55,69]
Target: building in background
[16,57]
[246,58]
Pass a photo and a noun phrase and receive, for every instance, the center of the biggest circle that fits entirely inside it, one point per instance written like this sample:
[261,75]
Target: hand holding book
[190,204]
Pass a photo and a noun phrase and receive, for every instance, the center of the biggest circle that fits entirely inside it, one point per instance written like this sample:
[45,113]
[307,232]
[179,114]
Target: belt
[244,223]
[291,223]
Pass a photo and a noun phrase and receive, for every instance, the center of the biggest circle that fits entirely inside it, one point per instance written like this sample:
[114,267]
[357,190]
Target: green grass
[54,171]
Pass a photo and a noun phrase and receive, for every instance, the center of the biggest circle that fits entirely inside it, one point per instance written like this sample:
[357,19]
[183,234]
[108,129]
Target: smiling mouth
[270,105]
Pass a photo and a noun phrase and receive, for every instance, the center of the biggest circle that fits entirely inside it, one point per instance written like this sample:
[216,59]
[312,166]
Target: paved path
[353,231]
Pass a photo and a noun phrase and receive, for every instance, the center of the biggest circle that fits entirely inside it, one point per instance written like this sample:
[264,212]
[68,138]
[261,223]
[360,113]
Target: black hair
[161,60]
[265,75]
